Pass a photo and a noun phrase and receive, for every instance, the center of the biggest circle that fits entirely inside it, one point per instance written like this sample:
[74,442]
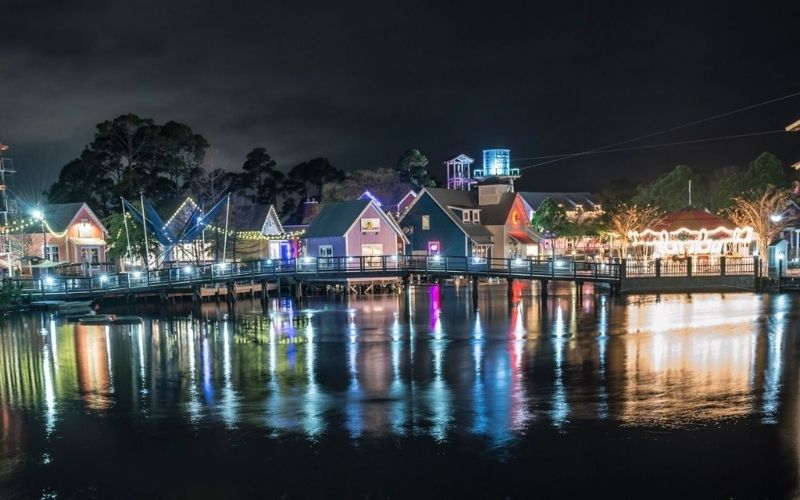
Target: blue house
[446,222]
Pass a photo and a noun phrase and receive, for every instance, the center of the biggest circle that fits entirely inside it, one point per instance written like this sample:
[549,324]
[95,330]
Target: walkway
[310,269]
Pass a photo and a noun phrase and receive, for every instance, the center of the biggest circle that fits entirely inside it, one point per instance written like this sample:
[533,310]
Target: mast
[144,229]
[127,234]
[225,236]
[6,169]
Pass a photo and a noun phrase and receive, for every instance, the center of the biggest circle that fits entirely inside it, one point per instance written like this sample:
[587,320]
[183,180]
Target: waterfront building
[446,222]
[69,234]
[580,206]
[353,228]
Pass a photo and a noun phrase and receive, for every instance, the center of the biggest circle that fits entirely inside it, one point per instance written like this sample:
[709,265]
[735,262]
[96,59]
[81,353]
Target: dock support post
[474,280]
[510,289]
[264,292]
[543,288]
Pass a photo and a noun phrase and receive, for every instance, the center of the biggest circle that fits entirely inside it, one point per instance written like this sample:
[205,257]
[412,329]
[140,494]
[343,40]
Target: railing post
[623,264]
[361,263]
[658,267]
[722,265]
[689,267]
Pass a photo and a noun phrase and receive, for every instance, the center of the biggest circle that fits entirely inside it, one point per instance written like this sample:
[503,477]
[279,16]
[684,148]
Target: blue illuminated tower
[497,163]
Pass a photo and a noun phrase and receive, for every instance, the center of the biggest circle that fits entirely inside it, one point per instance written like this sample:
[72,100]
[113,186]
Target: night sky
[360,83]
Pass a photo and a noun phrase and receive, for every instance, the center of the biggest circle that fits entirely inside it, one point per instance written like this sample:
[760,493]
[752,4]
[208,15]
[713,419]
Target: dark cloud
[360,83]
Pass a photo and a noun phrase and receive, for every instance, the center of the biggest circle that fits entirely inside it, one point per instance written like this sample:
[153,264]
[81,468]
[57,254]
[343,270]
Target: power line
[659,145]
[665,131]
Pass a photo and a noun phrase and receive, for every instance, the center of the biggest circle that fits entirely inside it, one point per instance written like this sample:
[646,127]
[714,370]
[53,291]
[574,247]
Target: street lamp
[775,218]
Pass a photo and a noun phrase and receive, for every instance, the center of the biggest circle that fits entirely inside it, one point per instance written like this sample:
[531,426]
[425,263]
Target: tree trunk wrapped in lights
[764,213]
[626,219]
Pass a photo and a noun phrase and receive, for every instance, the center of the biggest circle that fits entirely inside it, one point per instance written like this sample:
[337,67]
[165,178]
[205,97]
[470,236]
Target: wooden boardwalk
[193,277]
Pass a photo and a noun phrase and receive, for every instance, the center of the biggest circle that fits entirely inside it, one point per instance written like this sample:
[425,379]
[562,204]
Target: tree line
[131,154]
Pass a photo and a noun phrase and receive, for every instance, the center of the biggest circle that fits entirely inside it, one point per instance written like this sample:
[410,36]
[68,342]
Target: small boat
[109,319]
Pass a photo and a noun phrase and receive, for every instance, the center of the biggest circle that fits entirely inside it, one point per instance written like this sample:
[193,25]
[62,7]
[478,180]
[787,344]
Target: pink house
[354,229]
[66,233]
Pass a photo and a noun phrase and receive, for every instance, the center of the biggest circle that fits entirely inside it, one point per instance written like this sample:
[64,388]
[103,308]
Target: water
[371,397]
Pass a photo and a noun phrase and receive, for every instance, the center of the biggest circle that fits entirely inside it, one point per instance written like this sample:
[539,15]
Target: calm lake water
[388,396]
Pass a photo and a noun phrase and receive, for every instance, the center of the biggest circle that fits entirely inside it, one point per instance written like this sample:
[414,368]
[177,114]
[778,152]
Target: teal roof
[335,219]
[59,216]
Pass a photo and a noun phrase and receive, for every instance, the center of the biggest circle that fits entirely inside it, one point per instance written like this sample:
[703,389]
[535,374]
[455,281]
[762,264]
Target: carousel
[693,234]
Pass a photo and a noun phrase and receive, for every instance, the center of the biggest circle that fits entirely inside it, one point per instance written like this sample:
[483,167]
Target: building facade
[358,228]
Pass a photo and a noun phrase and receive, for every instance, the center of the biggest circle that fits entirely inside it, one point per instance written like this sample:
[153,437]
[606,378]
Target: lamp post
[39,215]
[780,271]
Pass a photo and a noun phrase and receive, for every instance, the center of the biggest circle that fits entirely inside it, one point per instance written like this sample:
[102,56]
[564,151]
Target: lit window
[465,216]
[476,216]
[426,222]
[85,229]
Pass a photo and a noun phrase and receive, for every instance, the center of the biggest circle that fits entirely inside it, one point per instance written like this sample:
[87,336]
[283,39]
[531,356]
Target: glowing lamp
[103,278]
[37,214]
[49,281]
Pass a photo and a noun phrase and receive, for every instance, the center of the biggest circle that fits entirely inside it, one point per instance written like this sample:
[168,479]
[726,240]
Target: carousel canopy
[692,219]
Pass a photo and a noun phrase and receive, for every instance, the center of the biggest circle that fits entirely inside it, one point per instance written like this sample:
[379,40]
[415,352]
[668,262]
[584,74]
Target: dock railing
[310,268]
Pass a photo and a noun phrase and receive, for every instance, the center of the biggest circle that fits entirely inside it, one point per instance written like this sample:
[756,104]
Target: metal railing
[317,267]
[721,266]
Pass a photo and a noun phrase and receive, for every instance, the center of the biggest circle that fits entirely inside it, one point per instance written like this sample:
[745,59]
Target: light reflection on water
[425,365]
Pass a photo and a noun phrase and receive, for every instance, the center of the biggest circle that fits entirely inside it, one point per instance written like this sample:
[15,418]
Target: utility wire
[659,145]
[665,131]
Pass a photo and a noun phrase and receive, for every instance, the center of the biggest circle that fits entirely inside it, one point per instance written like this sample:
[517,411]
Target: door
[325,256]
[372,254]
[90,255]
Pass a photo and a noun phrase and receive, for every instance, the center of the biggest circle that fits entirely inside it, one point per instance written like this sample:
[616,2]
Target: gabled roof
[336,219]
[272,215]
[568,200]
[247,218]
[447,199]
[497,214]
[59,216]
[462,158]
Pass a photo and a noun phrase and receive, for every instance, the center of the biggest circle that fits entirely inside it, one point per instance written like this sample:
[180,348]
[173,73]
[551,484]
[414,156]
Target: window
[426,222]
[465,216]
[476,216]
[85,229]
[51,253]
[326,250]
[434,248]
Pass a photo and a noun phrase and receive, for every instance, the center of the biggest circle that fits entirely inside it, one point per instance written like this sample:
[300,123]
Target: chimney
[310,211]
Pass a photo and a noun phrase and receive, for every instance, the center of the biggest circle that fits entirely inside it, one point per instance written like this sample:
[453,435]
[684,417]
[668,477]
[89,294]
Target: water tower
[497,163]
[459,173]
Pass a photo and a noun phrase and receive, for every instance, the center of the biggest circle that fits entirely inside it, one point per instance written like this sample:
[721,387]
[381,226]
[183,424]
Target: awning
[87,241]
[523,237]
[482,240]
